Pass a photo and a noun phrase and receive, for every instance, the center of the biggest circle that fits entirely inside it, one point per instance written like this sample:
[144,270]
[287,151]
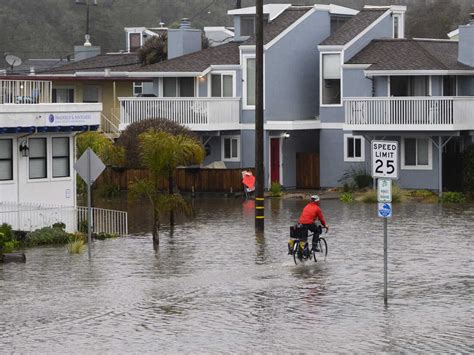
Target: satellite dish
[13,60]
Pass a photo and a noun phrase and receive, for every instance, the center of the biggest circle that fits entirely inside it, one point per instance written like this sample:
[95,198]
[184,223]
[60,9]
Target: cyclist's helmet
[315,198]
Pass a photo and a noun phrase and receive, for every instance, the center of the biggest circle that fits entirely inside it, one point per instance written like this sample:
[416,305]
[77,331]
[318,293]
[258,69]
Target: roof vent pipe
[185,24]
[471,18]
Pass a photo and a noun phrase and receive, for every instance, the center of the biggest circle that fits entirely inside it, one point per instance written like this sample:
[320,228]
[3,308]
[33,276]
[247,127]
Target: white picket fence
[30,216]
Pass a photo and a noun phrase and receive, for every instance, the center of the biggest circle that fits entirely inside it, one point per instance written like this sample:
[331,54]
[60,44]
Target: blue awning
[10,130]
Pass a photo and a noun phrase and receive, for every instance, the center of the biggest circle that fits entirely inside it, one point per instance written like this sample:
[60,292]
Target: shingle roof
[114,61]
[353,27]
[38,65]
[408,54]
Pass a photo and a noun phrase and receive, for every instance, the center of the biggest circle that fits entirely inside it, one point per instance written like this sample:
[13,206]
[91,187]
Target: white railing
[109,127]
[30,216]
[183,110]
[422,112]
[25,91]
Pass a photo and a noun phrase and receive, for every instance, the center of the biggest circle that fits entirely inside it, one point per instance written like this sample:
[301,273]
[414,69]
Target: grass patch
[275,189]
[453,197]
[76,246]
[347,197]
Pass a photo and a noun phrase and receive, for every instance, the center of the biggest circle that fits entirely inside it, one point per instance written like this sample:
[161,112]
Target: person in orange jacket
[312,213]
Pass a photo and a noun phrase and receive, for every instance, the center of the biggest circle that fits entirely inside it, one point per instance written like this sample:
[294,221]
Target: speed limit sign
[384,159]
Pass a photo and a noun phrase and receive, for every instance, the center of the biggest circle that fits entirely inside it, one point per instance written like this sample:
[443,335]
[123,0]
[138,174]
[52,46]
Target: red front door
[275,159]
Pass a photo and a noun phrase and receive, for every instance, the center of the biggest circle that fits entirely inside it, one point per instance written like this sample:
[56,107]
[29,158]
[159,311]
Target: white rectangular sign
[384,159]
[384,190]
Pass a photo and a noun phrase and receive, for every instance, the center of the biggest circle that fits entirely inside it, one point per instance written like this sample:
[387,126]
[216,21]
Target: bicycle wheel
[323,250]
[297,254]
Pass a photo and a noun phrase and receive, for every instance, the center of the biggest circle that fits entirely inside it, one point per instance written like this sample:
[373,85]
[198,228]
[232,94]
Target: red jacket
[311,213]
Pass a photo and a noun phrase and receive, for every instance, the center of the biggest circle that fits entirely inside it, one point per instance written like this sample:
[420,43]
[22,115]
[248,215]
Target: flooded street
[214,286]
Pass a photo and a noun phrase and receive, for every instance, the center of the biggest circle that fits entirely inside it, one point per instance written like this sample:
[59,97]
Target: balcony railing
[189,111]
[409,113]
[25,91]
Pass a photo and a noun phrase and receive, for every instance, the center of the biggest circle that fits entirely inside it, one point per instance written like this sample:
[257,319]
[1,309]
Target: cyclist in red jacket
[311,213]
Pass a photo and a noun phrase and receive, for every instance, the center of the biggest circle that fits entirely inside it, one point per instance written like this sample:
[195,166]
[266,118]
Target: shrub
[104,236]
[356,177]
[47,236]
[452,197]
[76,246]
[7,231]
[82,227]
[107,190]
[347,197]
[469,170]
[396,193]
[59,225]
[275,189]
[369,197]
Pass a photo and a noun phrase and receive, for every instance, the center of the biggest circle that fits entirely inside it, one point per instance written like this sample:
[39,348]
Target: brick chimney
[183,40]
[466,43]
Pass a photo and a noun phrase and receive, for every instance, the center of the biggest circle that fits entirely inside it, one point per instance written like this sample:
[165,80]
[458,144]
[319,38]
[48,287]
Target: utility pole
[259,138]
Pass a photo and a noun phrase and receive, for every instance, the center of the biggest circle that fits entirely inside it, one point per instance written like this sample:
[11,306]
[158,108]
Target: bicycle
[300,248]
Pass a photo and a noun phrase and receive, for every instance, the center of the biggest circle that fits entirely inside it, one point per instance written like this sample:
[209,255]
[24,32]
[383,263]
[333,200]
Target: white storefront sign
[384,190]
[71,119]
[384,159]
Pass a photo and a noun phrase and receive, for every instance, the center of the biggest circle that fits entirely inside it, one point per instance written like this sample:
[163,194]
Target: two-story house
[212,90]
[375,83]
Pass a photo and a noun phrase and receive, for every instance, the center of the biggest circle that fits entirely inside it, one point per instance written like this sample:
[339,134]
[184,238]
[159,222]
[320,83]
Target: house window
[91,94]
[37,158]
[450,85]
[6,159]
[409,86]
[62,95]
[61,157]
[222,85]
[247,26]
[331,83]
[178,87]
[135,41]
[230,148]
[396,26]
[416,154]
[354,148]
[250,81]
[137,88]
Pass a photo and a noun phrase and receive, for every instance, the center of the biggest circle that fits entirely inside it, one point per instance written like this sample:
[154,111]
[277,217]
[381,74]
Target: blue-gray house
[212,90]
[376,84]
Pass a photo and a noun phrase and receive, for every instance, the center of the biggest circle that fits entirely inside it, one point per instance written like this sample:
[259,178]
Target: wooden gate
[307,171]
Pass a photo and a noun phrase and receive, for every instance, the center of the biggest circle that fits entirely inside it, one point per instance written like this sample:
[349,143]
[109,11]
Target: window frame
[177,86]
[54,99]
[247,18]
[456,84]
[130,41]
[45,158]
[403,166]
[221,73]
[245,106]
[401,25]
[321,81]
[66,177]
[231,159]
[347,158]
[12,160]
[137,84]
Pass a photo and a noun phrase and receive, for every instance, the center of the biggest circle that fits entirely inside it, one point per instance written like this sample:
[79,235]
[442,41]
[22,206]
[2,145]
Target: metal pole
[87,18]
[385,262]
[89,203]
[259,138]
[440,167]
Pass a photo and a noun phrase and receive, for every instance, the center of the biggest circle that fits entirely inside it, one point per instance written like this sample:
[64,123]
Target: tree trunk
[156,229]
[170,189]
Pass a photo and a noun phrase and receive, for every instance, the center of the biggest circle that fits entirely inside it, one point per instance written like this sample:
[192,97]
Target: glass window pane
[422,151]
[226,148]
[251,81]
[331,66]
[216,85]
[186,87]
[247,26]
[37,147]
[227,82]
[6,149]
[332,92]
[169,87]
[350,147]
[396,21]
[37,168]
[91,93]
[234,148]
[61,147]
[6,171]
[410,151]
[358,147]
[60,167]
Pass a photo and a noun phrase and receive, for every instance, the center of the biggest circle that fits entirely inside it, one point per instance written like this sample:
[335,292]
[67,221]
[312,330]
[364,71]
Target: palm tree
[161,153]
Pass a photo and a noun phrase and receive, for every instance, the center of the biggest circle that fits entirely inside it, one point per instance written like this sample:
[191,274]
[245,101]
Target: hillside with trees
[50,28]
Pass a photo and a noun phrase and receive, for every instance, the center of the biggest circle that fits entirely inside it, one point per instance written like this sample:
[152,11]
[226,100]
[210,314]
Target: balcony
[25,91]
[197,113]
[409,113]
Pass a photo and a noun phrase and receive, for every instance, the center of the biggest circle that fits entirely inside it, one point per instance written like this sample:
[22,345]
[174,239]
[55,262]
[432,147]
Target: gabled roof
[225,54]
[410,54]
[37,64]
[272,10]
[354,26]
[113,61]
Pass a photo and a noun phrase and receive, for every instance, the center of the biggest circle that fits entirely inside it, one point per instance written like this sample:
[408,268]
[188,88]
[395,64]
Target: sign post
[385,168]
[89,167]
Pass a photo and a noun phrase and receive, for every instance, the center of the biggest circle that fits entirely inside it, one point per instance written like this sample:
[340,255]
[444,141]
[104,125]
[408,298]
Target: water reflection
[214,277]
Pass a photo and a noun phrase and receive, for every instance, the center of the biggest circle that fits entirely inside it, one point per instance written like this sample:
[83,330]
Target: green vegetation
[161,152]
[105,236]
[76,246]
[469,170]
[8,242]
[452,197]
[347,197]
[424,196]
[276,189]
[47,236]
[371,195]
[356,177]
[108,190]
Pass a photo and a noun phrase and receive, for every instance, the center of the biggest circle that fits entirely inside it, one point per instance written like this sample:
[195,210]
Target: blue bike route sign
[385,210]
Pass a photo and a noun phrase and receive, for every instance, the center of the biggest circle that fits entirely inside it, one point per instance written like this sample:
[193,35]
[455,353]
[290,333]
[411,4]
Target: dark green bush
[59,225]
[356,177]
[452,197]
[104,236]
[47,236]
[7,231]
[7,239]
[347,197]
[469,170]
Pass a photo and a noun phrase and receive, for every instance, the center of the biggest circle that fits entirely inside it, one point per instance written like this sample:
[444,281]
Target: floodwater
[215,286]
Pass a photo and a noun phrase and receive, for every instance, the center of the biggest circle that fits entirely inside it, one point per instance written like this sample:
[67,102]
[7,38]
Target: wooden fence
[203,180]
